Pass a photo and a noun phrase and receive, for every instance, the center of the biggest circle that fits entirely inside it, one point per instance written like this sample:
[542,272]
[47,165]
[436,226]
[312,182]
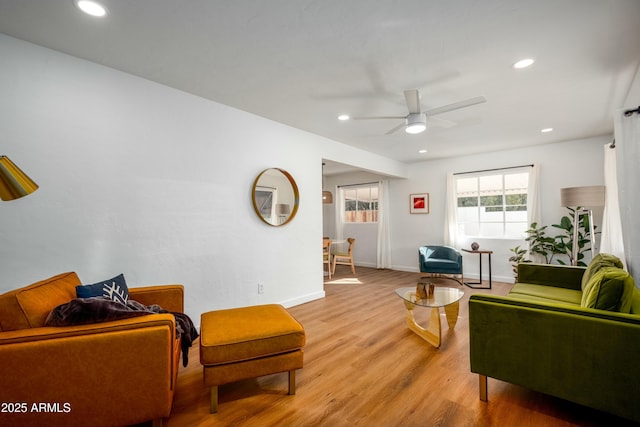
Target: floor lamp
[582,199]
[13,182]
[282,210]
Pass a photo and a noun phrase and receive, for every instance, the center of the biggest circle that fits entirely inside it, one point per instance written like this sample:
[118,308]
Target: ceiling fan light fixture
[416,123]
[414,129]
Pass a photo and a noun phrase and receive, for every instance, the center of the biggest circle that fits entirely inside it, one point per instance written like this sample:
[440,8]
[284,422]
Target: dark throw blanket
[82,311]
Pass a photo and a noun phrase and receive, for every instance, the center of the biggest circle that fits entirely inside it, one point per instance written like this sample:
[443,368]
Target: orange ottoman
[249,342]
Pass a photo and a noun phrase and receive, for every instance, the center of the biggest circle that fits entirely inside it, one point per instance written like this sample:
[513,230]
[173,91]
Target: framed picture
[419,203]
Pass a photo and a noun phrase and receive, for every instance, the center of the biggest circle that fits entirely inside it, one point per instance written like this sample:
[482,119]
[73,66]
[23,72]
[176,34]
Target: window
[493,204]
[361,203]
[265,197]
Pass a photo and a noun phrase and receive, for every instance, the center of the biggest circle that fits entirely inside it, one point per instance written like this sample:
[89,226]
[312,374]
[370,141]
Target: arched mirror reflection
[275,196]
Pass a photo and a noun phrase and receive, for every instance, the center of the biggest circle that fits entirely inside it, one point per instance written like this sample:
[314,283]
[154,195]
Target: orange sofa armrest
[59,332]
[89,370]
[169,297]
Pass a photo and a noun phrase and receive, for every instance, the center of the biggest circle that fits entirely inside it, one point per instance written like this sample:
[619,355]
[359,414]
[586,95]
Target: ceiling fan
[416,120]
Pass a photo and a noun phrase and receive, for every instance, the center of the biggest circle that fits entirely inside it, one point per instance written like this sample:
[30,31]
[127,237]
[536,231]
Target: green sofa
[570,332]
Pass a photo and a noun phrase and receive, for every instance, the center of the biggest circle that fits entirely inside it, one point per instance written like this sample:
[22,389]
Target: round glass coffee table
[433,298]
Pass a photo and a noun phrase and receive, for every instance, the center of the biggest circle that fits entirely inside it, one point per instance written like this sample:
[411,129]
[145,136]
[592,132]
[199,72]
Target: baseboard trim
[302,299]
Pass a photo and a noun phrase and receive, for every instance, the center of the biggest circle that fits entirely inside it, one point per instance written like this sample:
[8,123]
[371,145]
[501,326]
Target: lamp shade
[327,197]
[283,209]
[589,196]
[13,182]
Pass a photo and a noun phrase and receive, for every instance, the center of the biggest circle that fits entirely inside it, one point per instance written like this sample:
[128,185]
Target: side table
[480,252]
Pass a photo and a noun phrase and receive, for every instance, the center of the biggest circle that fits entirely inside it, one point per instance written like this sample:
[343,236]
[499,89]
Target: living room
[140,178]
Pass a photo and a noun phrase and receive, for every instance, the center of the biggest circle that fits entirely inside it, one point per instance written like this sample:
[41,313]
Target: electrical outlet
[260,288]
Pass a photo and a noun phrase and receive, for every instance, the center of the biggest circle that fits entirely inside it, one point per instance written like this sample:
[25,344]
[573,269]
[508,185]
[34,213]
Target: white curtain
[627,134]
[611,241]
[533,204]
[339,205]
[533,195]
[384,243]
[450,219]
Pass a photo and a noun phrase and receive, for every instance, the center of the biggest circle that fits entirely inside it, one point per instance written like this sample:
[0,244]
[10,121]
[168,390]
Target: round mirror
[275,196]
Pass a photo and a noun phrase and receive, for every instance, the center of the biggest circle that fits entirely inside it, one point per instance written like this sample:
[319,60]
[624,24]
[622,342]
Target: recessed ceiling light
[422,151]
[524,63]
[343,117]
[545,130]
[91,8]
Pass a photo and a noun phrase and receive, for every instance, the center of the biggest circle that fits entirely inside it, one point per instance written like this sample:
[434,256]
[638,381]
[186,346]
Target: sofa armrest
[169,297]
[111,373]
[583,355]
[560,276]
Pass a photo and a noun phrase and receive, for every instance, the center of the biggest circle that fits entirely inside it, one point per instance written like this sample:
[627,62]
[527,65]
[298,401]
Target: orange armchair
[114,373]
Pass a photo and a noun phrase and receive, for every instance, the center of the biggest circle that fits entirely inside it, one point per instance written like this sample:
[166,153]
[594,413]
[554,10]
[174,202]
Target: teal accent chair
[441,260]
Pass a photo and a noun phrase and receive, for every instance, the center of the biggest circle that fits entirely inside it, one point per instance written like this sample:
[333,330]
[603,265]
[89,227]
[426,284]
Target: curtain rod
[626,114]
[630,112]
[496,169]
[355,185]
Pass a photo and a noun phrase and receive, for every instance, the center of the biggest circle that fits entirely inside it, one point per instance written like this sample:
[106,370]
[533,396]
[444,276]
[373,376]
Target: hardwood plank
[364,367]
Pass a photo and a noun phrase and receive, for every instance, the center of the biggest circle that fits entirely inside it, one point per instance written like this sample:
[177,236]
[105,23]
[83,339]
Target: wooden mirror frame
[275,222]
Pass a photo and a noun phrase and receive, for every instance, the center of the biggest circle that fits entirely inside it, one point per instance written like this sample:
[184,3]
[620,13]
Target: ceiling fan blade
[378,118]
[456,105]
[440,123]
[395,129]
[413,100]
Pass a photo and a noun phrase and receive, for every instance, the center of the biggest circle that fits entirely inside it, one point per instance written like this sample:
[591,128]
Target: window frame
[374,203]
[483,218]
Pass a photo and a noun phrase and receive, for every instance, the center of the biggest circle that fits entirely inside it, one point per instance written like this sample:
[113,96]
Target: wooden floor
[364,367]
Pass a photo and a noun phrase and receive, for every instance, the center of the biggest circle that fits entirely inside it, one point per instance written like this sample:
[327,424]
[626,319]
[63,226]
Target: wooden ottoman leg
[292,382]
[214,399]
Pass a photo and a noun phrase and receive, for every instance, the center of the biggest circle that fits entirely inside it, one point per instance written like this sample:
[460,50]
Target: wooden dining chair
[326,254]
[344,258]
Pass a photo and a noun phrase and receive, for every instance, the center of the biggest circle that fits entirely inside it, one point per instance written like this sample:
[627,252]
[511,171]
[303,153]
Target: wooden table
[480,252]
[448,298]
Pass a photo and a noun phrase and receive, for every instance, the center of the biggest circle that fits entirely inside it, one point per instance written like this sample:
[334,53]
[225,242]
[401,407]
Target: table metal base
[473,285]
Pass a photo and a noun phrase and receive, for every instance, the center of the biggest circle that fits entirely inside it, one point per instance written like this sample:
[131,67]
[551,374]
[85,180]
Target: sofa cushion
[635,302]
[441,265]
[28,307]
[115,289]
[598,262]
[609,289]
[549,293]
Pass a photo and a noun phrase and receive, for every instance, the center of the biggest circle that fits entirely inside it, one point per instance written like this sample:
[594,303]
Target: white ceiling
[303,62]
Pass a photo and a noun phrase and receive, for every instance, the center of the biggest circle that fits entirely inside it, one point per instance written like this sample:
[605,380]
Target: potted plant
[548,247]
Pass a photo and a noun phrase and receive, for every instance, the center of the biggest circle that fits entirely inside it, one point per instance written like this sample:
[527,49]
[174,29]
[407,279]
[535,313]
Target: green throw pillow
[609,289]
[598,262]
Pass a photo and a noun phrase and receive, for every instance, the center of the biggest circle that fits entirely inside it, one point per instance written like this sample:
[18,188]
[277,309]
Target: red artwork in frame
[419,203]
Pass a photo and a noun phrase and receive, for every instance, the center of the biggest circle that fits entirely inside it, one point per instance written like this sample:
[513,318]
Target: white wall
[141,179]
[562,164]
